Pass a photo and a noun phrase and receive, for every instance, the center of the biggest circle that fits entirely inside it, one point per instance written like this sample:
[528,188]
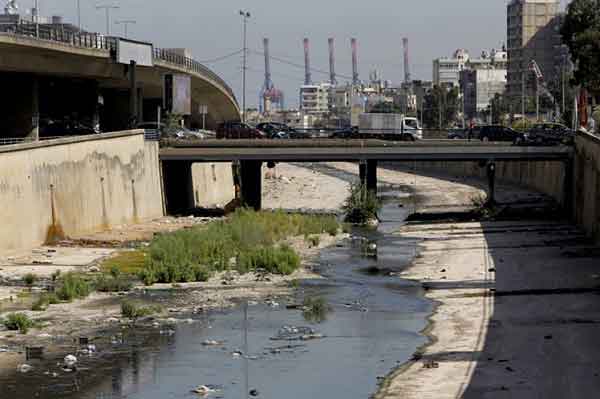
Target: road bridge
[58,73]
[250,155]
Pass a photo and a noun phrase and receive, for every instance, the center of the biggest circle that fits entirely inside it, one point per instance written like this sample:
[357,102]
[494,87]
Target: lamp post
[107,9]
[245,15]
[126,24]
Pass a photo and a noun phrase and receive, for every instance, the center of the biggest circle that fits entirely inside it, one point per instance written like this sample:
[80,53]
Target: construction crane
[540,83]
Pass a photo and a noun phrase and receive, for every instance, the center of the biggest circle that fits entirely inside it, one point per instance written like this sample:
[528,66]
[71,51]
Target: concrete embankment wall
[587,183]
[73,186]
[213,185]
[544,177]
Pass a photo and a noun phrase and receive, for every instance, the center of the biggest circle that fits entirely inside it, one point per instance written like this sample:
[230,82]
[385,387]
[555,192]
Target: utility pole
[37,19]
[537,100]
[523,95]
[126,24]
[79,15]
[440,109]
[107,9]
[245,16]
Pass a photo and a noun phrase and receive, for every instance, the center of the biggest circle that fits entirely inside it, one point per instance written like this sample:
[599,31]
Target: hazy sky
[212,28]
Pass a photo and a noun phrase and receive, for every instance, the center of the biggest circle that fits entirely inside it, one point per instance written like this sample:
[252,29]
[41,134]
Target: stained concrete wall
[587,183]
[213,184]
[72,186]
[544,177]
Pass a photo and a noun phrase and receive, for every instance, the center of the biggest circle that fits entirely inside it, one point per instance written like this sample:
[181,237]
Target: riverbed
[371,325]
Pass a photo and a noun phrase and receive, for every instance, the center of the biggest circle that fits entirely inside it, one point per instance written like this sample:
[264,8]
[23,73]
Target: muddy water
[370,326]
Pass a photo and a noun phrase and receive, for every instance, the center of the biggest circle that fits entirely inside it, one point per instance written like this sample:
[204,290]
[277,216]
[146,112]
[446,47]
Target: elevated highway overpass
[250,155]
[61,74]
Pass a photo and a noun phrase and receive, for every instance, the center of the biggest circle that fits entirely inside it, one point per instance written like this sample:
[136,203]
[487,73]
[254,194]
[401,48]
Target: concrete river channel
[371,326]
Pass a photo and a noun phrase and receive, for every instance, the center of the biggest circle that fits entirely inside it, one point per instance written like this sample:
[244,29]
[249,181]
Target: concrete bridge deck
[356,150]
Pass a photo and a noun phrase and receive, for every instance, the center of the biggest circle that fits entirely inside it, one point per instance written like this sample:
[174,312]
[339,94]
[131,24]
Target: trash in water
[70,361]
[24,368]
[293,333]
[212,342]
[206,389]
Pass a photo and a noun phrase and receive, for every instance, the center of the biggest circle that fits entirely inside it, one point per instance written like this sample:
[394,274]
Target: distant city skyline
[214,30]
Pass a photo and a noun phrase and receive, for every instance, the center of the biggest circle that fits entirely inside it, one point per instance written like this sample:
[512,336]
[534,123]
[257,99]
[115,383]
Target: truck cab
[389,127]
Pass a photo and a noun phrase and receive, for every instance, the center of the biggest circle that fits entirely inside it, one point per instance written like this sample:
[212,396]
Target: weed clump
[73,286]
[29,279]
[18,322]
[315,309]
[114,283]
[248,237]
[133,310]
[43,301]
[361,206]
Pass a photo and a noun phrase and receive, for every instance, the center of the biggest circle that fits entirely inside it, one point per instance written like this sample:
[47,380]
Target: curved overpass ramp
[72,71]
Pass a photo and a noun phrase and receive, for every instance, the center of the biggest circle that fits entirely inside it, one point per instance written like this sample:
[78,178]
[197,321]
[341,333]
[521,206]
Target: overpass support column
[133,95]
[251,182]
[368,175]
[179,188]
[491,175]
[34,134]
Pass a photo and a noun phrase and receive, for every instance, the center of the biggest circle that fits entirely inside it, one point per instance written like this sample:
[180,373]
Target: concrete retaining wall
[544,177]
[79,185]
[587,183]
[213,185]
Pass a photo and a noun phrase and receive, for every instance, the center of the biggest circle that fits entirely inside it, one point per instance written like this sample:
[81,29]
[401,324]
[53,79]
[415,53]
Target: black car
[276,130]
[346,133]
[238,130]
[464,134]
[550,133]
[500,133]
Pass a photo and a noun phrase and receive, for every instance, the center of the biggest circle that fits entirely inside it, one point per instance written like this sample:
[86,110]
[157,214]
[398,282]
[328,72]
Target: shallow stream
[371,326]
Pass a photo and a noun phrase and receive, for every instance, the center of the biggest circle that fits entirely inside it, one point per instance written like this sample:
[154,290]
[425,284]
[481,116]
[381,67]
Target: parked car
[238,130]
[500,133]
[464,134]
[346,133]
[550,133]
[175,132]
[276,130]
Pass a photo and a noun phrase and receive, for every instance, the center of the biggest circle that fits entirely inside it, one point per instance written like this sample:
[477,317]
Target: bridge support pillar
[491,175]
[179,188]
[251,182]
[368,175]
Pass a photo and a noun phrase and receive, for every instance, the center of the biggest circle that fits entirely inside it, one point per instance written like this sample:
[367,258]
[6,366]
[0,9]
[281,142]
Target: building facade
[446,71]
[533,34]
[315,99]
[479,86]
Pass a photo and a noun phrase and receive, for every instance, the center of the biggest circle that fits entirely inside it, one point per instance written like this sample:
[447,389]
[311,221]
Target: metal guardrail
[101,42]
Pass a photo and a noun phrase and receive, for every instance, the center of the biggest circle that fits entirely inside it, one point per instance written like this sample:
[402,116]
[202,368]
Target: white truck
[389,126]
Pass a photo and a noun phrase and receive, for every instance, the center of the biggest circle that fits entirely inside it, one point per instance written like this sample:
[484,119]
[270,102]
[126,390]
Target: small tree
[361,206]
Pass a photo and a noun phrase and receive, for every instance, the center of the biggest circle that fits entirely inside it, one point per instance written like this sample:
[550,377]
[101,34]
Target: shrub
[29,279]
[112,284]
[55,275]
[133,310]
[276,260]
[361,206]
[18,321]
[73,286]
[127,262]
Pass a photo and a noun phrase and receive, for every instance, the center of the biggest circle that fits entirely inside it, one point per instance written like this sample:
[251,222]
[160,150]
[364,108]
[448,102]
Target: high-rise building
[532,33]
[315,99]
[446,71]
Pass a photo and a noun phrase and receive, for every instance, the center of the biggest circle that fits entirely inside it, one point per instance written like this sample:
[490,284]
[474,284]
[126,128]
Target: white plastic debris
[24,368]
[70,361]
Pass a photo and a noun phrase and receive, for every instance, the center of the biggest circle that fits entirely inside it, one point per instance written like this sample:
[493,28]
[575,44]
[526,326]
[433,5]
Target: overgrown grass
[361,206]
[134,310]
[18,322]
[247,236]
[314,241]
[128,262]
[43,301]
[113,283]
[73,286]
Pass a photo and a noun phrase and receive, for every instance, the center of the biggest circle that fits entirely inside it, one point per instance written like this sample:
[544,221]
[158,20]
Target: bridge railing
[64,34]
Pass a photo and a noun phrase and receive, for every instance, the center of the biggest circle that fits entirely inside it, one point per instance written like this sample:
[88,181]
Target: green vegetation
[580,31]
[361,205]
[134,310]
[315,310]
[314,241]
[73,286]
[43,301]
[276,260]
[113,283]
[128,262]
[244,242]
[29,279]
[55,275]
[18,322]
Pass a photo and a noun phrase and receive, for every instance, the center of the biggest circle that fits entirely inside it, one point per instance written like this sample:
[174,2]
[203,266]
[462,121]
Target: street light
[126,24]
[107,9]
[245,15]
[79,15]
